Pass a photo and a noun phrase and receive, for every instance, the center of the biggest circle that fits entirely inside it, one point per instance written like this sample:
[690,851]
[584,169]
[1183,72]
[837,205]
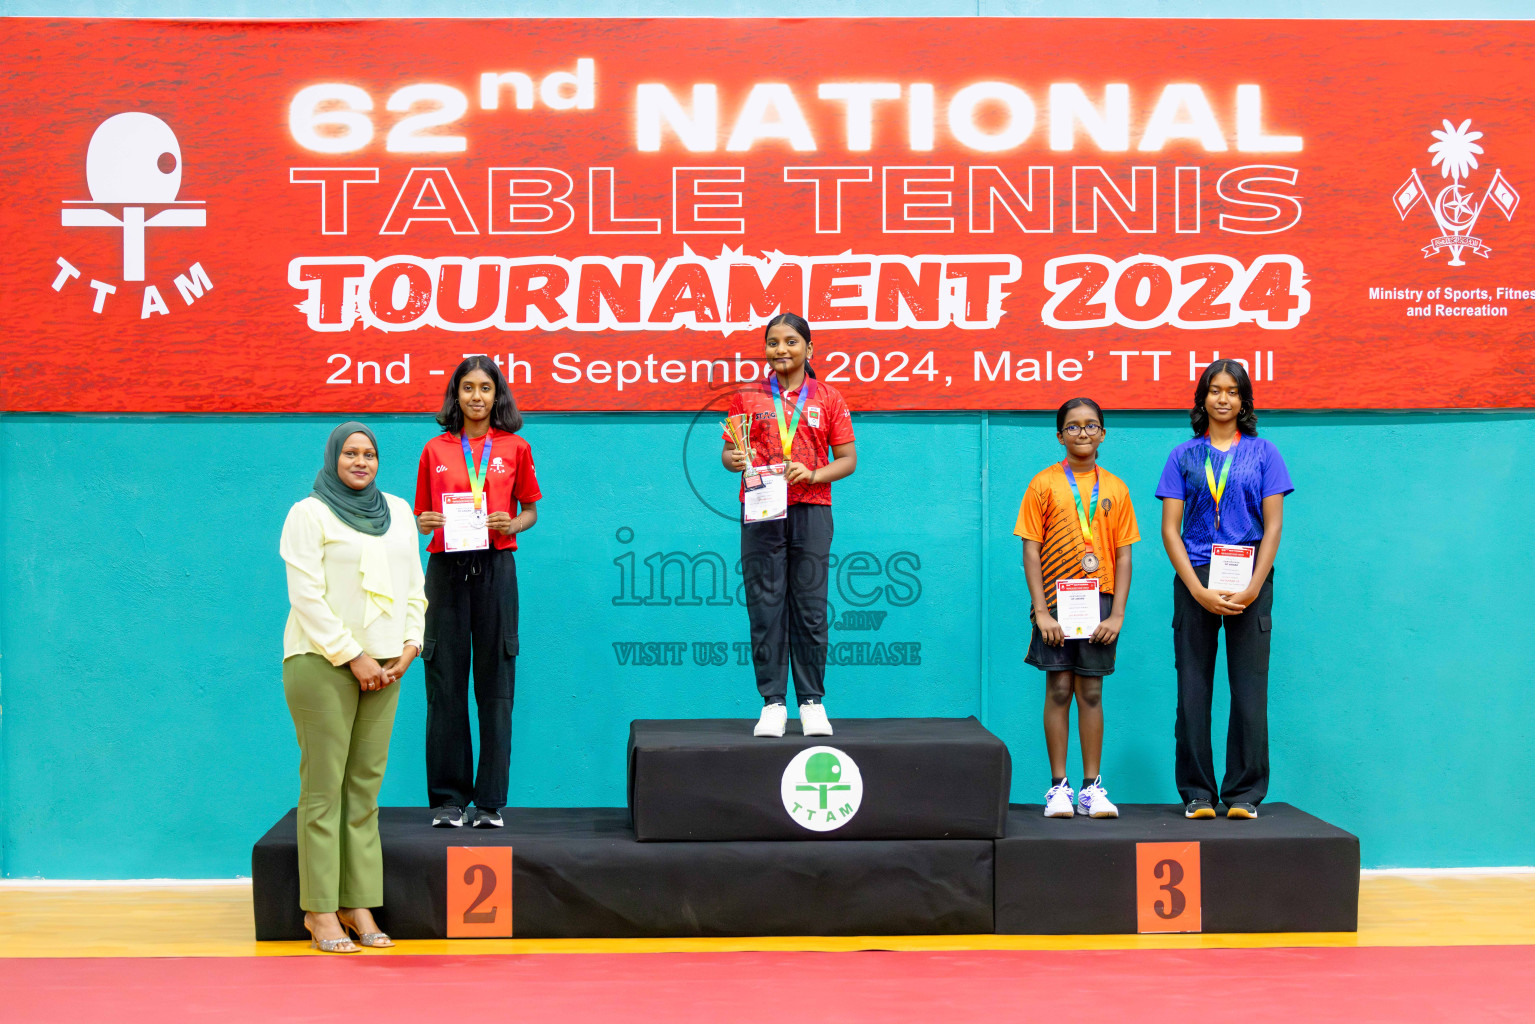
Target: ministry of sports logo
[1456,208]
[821,788]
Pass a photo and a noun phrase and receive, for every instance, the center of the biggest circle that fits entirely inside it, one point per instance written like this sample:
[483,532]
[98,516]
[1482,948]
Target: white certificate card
[1231,567]
[1076,607]
[769,499]
[463,527]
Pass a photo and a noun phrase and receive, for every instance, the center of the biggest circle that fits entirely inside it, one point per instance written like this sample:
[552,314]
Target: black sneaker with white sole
[448,816]
[487,818]
[1241,810]
[1198,809]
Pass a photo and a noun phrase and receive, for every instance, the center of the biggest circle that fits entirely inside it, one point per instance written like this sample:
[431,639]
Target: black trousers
[471,615]
[1196,633]
[784,566]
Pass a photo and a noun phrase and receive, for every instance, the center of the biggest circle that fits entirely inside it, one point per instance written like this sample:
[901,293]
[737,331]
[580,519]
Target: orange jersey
[1048,514]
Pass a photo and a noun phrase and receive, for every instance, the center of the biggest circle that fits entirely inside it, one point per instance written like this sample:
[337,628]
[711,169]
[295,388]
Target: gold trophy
[738,429]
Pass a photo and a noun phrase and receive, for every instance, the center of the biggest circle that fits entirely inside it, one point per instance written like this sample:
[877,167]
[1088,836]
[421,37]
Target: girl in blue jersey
[1222,510]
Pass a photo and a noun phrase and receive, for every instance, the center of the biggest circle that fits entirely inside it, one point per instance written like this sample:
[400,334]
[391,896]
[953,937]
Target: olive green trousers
[343,738]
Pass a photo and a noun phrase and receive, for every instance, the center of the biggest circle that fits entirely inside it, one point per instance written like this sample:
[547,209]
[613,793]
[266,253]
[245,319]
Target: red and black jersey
[509,478]
[824,422]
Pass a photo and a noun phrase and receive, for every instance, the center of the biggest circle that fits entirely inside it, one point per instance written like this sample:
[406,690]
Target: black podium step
[877,778]
[1285,871]
[579,873]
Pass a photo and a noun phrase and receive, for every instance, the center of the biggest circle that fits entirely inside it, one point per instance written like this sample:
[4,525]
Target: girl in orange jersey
[1077,525]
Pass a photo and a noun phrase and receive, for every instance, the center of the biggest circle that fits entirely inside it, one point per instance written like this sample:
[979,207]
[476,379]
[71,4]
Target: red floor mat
[1481,984]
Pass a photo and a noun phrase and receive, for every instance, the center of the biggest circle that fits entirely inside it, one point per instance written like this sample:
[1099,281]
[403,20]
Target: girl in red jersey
[790,421]
[475,492]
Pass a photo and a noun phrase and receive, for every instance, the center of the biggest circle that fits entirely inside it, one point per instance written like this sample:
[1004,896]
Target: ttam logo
[133,164]
[133,169]
[821,788]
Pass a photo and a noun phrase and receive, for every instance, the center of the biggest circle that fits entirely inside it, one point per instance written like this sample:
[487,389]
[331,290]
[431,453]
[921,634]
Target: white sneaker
[1094,801]
[774,718]
[813,721]
[1058,802]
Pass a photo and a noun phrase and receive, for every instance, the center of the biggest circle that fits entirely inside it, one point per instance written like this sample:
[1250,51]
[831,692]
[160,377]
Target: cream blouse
[351,593]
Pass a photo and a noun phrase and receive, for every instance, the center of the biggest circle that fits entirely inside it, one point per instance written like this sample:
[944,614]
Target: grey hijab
[365,511]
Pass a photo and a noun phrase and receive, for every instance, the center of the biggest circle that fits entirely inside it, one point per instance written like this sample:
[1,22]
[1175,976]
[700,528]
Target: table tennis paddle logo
[1456,208]
[133,168]
[822,788]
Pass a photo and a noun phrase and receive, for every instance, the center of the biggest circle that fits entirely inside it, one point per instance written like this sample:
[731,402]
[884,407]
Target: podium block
[877,778]
[1153,870]
[579,873]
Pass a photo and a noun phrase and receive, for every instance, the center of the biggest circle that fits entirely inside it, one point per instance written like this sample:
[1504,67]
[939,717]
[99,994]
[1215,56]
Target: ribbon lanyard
[1218,488]
[786,428]
[1084,518]
[477,480]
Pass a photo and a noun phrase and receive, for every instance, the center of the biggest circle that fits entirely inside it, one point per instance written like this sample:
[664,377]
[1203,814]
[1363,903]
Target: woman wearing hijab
[358,607]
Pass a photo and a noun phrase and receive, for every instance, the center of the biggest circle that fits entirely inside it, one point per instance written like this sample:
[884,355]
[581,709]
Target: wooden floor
[191,920]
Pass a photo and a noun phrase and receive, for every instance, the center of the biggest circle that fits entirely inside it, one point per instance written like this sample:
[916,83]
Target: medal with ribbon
[1084,516]
[477,479]
[787,427]
[1218,487]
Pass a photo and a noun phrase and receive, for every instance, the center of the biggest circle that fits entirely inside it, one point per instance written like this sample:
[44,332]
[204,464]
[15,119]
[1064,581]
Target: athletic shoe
[1094,801]
[1240,810]
[1058,801]
[813,720]
[487,818]
[774,718]
[1198,809]
[448,816]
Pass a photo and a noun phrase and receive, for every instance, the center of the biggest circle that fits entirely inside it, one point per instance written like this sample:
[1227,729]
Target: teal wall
[141,598]
[143,603]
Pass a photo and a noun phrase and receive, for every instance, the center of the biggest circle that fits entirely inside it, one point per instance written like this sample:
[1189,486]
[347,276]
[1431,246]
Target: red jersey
[509,478]
[824,422]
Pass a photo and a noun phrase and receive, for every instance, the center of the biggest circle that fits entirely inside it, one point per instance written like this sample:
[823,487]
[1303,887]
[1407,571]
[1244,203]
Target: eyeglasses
[1090,429]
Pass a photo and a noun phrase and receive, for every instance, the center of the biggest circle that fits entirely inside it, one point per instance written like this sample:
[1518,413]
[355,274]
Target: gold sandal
[373,940]
[341,945]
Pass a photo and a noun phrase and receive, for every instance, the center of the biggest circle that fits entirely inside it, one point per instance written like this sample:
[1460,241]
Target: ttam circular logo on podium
[822,788]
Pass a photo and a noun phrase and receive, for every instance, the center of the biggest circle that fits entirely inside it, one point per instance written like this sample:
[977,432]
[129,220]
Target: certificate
[463,526]
[1231,567]
[769,498]
[1076,607]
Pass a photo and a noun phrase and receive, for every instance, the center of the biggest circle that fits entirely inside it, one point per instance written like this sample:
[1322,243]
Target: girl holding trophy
[475,492]
[777,436]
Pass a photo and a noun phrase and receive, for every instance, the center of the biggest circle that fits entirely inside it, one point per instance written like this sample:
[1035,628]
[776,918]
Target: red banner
[972,213]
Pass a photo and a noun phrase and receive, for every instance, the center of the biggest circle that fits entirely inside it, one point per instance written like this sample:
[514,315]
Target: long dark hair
[801,328]
[503,412]
[1075,403]
[1247,417]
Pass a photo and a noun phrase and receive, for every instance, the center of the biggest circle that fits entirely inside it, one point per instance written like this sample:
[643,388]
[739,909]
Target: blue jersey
[1257,472]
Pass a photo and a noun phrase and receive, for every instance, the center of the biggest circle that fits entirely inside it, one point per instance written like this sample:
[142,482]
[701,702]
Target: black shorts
[1084,657]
